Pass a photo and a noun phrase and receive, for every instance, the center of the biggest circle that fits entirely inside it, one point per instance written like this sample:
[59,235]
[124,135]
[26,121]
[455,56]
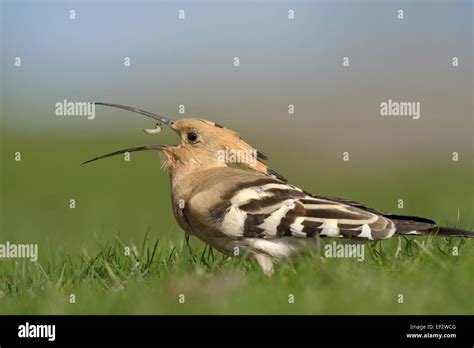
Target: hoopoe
[242,207]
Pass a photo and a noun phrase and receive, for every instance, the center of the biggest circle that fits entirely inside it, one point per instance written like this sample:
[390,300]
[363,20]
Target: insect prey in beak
[153,131]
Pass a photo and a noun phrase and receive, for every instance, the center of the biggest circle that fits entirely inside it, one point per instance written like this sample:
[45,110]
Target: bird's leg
[265,262]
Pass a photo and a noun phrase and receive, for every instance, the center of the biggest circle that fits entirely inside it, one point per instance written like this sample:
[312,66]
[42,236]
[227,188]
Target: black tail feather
[415,225]
[454,232]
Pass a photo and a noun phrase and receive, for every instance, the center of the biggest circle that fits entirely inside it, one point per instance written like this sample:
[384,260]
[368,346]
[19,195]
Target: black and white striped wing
[274,209]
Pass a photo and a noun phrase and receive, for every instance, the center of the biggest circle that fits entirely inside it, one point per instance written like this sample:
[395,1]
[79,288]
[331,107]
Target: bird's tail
[454,232]
[412,225]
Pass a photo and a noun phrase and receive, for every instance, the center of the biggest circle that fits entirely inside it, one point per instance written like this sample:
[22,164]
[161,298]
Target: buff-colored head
[204,144]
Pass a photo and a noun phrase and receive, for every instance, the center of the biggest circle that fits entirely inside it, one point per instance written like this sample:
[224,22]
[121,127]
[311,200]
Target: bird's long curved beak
[132,149]
[159,118]
[162,119]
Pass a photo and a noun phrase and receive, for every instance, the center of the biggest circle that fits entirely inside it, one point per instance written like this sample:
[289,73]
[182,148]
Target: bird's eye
[192,137]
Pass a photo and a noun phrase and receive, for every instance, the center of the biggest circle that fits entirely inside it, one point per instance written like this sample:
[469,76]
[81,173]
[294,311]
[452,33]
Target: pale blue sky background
[282,61]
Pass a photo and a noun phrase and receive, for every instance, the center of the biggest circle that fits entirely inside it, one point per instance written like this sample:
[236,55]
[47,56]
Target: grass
[152,277]
[120,204]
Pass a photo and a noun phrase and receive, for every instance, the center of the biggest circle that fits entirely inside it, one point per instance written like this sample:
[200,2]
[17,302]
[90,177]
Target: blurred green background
[114,196]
